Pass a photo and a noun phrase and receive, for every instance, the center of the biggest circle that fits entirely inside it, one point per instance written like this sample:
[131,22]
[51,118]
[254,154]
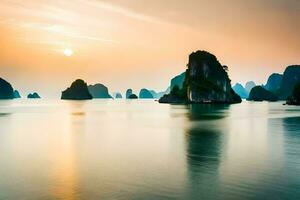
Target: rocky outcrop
[17,94]
[294,99]
[206,81]
[6,90]
[240,90]
[249,85]
[258,93]
[274,82]
[128,93]
[77,91]
[133,96]
[291,77]
[99,91]
[178,80]
[145,94]
[33,96]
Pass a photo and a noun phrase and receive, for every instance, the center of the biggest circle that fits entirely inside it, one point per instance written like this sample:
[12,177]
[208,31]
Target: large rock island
[206,81]
[77,91]
[6,90]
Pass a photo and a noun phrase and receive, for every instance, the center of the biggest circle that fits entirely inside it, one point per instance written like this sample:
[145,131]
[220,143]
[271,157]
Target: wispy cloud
[56,29]
[121,10]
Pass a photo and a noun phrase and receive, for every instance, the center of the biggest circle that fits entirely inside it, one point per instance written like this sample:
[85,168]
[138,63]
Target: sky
[47,44]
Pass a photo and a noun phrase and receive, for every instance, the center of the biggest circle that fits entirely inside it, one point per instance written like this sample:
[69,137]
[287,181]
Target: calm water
[144,150]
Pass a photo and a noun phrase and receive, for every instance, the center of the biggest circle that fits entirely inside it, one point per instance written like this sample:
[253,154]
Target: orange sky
[137,43]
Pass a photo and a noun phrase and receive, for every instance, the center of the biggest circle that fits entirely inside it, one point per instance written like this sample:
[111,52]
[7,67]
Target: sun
[68,52]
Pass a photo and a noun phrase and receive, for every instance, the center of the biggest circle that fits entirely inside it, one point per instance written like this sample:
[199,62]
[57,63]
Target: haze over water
[104,149]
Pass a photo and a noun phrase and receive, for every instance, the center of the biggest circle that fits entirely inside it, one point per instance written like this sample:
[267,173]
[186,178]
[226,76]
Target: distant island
[145,94]
[278,86]
[258,93]
[206,81]
[240,90]
[118,95]
[274,82]
[17,94]
[249,86]
[128,93]
[99,91]
[77,91]
[33,96]
[178,81]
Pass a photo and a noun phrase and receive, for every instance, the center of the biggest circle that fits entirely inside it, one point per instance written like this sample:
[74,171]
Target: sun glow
[68,52]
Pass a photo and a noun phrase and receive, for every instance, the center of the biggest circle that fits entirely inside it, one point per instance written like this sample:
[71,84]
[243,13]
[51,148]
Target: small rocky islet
[33,95]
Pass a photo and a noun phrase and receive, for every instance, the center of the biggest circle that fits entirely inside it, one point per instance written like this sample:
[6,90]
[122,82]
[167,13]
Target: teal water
[104,149]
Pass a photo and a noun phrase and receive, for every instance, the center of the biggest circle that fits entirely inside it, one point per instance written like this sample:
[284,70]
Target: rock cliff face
[128,93]
[178,80]
[240,90]
[295,98]
[206,81]
[77,91]
[145,94]
[274,82]
[6,90]
[291,77]
[33,96]
[99,91]
[258,93]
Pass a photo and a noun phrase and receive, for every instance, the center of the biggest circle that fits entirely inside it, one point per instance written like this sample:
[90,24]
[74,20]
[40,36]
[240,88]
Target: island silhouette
[204,81]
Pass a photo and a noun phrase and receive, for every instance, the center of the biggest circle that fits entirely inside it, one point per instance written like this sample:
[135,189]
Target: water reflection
[207,111]
[144,150]
[203,146]
[291,172]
